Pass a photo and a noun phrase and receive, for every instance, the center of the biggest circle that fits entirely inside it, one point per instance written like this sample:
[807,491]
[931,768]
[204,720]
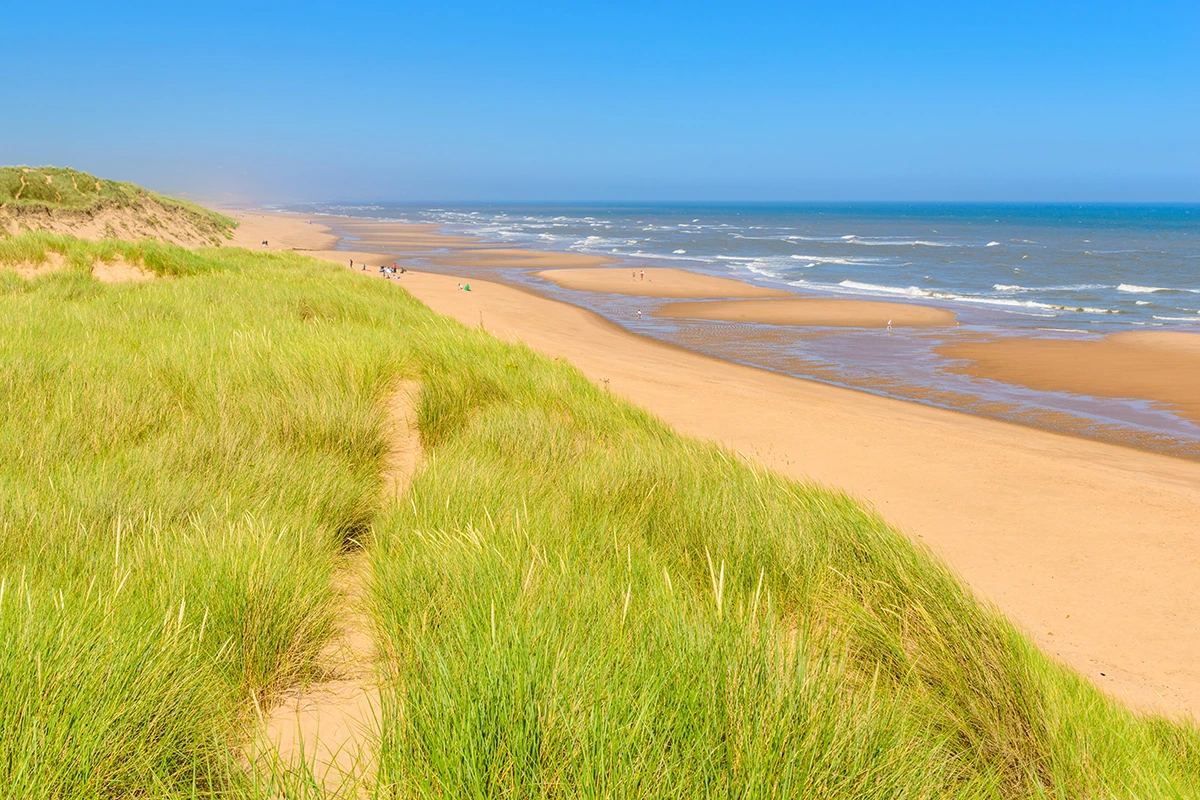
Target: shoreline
[810,336]
[1088,546]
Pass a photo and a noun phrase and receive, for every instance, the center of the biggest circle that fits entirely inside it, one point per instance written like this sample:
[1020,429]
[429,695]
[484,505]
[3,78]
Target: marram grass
[572,599]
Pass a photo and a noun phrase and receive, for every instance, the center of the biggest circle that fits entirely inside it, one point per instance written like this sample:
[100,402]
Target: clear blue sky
[613,100]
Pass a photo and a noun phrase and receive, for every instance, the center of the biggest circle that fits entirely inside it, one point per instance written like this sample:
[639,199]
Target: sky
[613,101]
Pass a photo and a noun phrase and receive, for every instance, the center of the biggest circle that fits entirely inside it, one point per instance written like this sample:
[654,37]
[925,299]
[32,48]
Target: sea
[1052,270]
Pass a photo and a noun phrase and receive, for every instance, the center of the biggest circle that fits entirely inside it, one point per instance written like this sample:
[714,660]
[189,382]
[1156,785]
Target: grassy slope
[577,601]
[72,190]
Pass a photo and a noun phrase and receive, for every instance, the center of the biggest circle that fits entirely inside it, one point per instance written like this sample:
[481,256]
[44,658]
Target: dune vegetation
[570,600]
[61,199]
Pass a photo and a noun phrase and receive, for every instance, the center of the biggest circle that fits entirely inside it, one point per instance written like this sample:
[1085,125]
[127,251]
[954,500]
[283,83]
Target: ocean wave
[831,259]
[1133,288]
[991,244]
[1178,319]
[1074,287]
[911,291]
[916,291]
[670,257]
[899,242]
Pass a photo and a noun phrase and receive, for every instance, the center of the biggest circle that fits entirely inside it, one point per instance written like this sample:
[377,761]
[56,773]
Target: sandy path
[1092,547]
[329,729]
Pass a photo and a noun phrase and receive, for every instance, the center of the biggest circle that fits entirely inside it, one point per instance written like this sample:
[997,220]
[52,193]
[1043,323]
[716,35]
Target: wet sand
[814,311]
[1150,365]
[1090,547]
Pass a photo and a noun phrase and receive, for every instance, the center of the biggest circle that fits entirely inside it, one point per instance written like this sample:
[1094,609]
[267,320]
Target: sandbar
[816,311]
[1150,365]
[658,282]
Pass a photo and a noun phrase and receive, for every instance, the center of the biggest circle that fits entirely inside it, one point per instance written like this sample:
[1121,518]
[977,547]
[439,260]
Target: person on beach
[352,263]
[639,313]
[643,275]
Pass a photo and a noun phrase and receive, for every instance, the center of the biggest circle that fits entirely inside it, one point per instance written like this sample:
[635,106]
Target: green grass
[60,188]
[574,600]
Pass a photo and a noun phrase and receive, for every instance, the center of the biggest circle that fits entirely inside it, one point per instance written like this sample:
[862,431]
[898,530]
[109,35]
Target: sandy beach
[814,311]
[1089,546]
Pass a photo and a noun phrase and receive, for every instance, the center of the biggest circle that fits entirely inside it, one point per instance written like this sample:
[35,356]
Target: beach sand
[814,311]
[1090,547]
[657,282]
[1150,365]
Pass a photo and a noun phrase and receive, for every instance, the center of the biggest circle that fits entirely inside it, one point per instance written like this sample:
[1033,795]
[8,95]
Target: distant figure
[639,313]
[460,287]
[643,275]
[352,263]
[889,324]
[466,287]
[635,274]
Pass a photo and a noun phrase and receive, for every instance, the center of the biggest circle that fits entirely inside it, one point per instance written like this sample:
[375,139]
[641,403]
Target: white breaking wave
[665,257]
[1077,287]
[991,244]
[679,252]
[899,242]
[1135,289]
[916,291]
[911,291]
[829,259]
[1178,319]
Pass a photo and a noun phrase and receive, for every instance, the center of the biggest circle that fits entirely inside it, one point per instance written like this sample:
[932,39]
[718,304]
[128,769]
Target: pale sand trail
[1091,547]
[330,729]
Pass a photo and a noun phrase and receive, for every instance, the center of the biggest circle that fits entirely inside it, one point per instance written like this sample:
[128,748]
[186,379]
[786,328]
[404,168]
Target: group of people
[385,271]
